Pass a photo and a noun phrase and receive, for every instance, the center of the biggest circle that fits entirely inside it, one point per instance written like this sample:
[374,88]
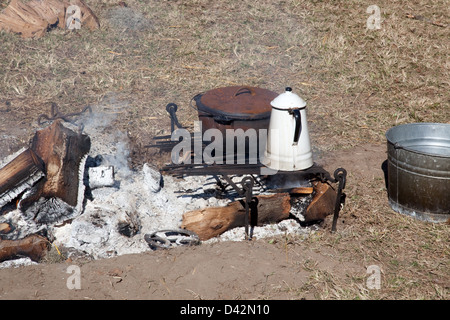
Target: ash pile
[74,190]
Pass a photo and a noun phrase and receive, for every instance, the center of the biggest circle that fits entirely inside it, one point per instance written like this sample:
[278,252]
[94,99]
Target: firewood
[27,13]
[5,228]
[296,190]
[211,222]
[43,10]
[73,17]
[19,175]
[10,22]
[60,195]
[35,247]
[88,18]
[302,190]
[322,203]
[58,8]
[32,19]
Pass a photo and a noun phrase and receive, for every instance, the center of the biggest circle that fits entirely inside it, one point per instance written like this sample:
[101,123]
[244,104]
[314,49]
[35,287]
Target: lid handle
[242,90]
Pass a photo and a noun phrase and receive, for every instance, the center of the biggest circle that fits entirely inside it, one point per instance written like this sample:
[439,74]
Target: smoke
[106,139]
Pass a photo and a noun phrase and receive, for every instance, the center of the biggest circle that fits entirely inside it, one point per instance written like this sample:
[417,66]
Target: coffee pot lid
[288,100]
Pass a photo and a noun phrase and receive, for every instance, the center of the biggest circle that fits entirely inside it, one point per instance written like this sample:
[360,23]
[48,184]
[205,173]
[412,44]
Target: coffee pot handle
[298,125]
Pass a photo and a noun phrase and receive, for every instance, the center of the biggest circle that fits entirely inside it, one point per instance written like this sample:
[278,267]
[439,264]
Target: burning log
[32,19]
[211,222]
[264,209]
[322,203]
[60,194]
[19,175]
[35,247]
[5,228]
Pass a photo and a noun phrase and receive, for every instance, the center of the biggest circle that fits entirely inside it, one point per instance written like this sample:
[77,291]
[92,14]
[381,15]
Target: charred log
[34,246]
[19,175]
[211,222]
[322,203]
[60,195]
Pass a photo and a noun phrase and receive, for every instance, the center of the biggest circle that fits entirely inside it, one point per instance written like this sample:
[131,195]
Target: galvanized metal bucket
[418,170]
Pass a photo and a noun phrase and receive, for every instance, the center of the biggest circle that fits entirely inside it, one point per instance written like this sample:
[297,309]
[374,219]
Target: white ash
[13,193]
[22,225]
[11,157]
[17,263]
[299,205]
[138,203]
[288,226]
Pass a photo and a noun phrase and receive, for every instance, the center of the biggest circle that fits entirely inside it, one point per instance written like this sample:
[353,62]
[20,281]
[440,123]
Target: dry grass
[358,83]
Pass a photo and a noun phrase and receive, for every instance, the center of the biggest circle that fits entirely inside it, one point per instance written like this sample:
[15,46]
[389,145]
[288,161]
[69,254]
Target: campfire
[72,188]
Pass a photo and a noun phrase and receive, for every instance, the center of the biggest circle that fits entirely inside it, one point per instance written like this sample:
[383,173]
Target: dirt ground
[275,268]
[358,82]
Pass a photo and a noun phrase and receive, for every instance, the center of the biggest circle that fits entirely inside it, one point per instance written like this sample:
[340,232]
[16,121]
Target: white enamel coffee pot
[288,147]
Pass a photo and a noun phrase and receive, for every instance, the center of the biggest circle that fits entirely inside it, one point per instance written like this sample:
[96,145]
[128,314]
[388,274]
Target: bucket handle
[397,146]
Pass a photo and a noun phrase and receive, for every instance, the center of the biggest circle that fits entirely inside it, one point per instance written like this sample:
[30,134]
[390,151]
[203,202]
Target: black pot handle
[298,125]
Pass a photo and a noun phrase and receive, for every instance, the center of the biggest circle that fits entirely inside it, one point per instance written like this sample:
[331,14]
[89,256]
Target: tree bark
[35,247]
[322,203]
[60,195]
[211,222]
[32,19]
[19,175]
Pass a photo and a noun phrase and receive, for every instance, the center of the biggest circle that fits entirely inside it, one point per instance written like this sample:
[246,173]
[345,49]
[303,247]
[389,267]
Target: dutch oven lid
[236,102]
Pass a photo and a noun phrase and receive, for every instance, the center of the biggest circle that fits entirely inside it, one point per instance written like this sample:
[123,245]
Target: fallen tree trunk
[211,222]
[35,247]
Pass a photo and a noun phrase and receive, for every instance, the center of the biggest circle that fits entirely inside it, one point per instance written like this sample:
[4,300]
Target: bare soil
[274,268]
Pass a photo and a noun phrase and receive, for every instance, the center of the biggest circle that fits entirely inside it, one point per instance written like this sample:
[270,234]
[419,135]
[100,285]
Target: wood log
[44,10]
[5,228]
[322,203]
[58,8]
[27,14]
[297,190]
[35,247]
[73,17]
[33,18]
[211,222]
[60,195]
[19,175]
[88,18]
[11,22]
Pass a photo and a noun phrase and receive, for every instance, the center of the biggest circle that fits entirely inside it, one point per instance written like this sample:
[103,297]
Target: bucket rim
[396,145]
